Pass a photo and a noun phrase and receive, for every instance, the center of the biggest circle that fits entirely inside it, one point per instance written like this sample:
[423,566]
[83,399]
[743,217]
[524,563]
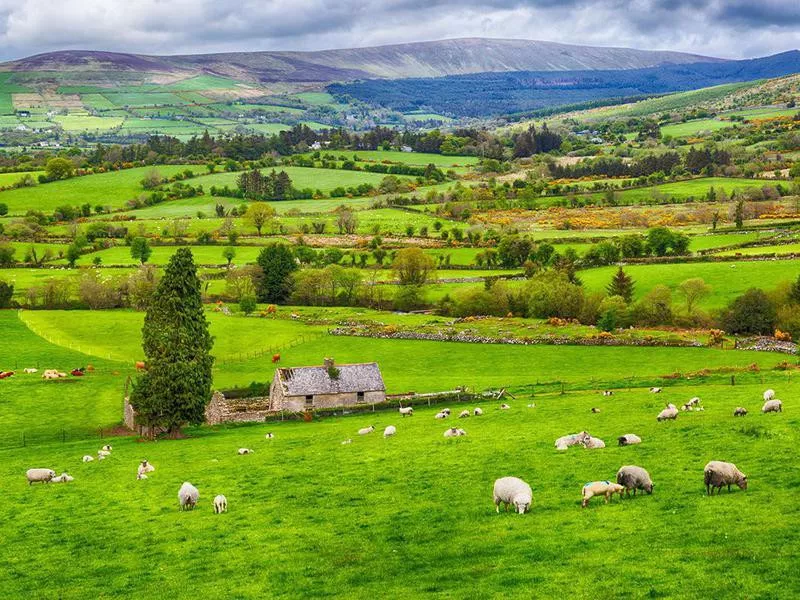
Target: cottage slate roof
[304,381]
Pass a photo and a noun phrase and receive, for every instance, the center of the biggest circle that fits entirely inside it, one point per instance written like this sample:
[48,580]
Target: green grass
[411,158]
[776,249]
[134,99]
[717,240]
[691,128]
[108,189]
[727,279]
[200,83]
[87,122]
[316,98]
[765,112]
[11,178]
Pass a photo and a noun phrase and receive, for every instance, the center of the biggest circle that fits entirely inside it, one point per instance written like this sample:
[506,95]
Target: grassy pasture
[87,122]
[690,128]
[11,178]
[727,279]
[108,189]
[412,515]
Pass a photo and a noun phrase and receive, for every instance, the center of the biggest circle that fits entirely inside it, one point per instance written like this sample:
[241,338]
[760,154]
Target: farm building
[326,386]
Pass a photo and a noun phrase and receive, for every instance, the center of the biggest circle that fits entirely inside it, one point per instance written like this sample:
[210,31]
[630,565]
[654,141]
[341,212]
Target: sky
[723,28]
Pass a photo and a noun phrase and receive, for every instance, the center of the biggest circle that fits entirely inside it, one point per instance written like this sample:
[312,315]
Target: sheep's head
[522,506]
[648,488]
[742,482]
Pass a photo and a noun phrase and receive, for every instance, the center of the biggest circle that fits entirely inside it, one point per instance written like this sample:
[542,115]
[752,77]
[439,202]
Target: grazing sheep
[87,458]
[655,390]
[269,435]
[463,414]
[107,448]
[739,411]
[477,412]
[220,504]
[769,395]
[692,404]
[440,415]
[629,439]
[188,496]
[608,393]
[600,488]
[30,370]
[576,439]
[454,432]
[63,478]
[594,443]
[40,475]
[347,441]
[408,411]
[504,406]
[245,451]
[772,406]
[595,410]
[668,413]
[634,478]
[512,491]
[718,474]
[389,431]
[366,430]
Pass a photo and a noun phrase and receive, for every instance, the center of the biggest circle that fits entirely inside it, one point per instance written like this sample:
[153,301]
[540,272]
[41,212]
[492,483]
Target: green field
[691,128]
[87,122]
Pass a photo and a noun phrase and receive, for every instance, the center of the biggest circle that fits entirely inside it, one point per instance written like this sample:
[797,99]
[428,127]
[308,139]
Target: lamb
[608,393]
[389,431]
[40,475]
[769,395]
[668,413]
[408,411]
[512,491]
[53,374]
[600,488]
[504,406]
[772,406]
[245,451]
[63,478]
[366,430]
[477,412]
[269,435]
[739,411]
[634,478]
[347,441]
[143,468]
[445,411]
[692,404]
[593,443]
[220,504]
[655,390]
[531,405]
[595,410]
[188,496]
[454,432]
[575,439]
[463,414]
[718,474]
[87,458]
[629,439]
[30,370]
[440,415]
[107,448]
[101,454]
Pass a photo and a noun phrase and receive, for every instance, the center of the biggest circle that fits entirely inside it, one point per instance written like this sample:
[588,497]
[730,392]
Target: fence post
[562,388]
[733,379]
[23,439]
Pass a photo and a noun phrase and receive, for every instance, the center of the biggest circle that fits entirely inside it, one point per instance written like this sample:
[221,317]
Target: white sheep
[668,413]
[454,432]
[39,475]
[106,448]
[102,454]
[408,411]
[692,404]
[629,439]
[188,496]
[141,476]
[389,431]
[347,441]
[717,474]
[87,458]
[477,412]
[600,488]
[739,411]
[220,504]
[655,390]
[245,451]
[440,415]
[30,370]
[575,439]
[595,410]
[531,405]
[504,406]
[769,395]
[366,430]
[463,414]
[144,467]
[512,491]
[269,436]
[63,478]
[593,443]
[608,393]
[772,406]
[445,411]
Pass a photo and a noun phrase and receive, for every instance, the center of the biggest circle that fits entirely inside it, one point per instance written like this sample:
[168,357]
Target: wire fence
[32,438]
[270,351]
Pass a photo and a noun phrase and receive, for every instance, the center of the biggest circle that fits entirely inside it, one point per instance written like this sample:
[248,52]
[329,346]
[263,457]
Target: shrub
[6,293]
[750,313]
[247,304]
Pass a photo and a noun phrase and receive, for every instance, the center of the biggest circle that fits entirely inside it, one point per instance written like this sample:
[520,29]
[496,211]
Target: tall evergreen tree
[621,285]
[176,387]
[278,263]
[794,292]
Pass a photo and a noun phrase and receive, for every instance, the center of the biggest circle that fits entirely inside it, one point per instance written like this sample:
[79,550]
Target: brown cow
[140,366]
[276,358]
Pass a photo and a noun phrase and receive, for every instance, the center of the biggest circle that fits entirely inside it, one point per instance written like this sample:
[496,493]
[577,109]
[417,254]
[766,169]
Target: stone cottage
[326,386]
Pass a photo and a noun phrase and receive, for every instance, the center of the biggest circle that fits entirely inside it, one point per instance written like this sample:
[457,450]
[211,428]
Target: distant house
[316,146]
[406,149]
[296,389]
[23,113]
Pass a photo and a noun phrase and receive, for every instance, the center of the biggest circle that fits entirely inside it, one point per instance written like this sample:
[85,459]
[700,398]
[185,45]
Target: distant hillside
[489,94]
[423,59]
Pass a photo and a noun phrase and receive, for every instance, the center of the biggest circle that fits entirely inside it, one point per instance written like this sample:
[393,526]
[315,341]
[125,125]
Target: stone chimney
[328,363]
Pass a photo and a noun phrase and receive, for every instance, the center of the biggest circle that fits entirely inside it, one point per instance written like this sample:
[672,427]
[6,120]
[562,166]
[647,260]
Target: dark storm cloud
[713,27]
